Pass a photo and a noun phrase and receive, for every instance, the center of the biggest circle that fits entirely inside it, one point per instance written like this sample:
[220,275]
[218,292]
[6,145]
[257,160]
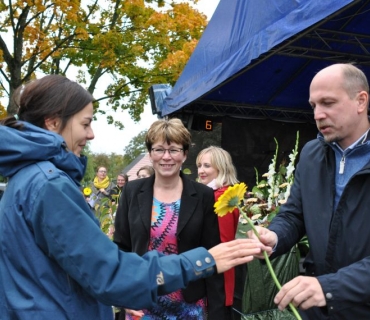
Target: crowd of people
[171,256]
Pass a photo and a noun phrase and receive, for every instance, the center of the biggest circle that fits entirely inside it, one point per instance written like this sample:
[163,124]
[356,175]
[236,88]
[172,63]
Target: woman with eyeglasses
[169,213]
[101,188]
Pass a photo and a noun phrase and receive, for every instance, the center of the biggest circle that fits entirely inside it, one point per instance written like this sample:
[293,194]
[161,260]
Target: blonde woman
[216,170]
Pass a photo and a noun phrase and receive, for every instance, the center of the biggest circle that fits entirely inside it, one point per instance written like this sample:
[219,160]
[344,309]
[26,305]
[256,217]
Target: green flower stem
[272,272]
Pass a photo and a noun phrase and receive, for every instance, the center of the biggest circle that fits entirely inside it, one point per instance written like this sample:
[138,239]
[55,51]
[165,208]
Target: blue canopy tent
[256,59]
[252,68]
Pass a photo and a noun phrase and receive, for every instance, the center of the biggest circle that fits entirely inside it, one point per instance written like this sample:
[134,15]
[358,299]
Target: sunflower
[87,191]
[230,199]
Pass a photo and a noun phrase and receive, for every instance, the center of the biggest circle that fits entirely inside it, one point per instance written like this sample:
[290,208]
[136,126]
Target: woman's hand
[230,254]
[135,313]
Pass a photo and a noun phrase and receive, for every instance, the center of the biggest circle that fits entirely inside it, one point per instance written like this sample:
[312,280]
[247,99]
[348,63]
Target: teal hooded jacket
[55,262]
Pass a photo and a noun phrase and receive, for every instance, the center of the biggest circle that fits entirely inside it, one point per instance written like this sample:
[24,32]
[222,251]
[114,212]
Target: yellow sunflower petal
[230,199]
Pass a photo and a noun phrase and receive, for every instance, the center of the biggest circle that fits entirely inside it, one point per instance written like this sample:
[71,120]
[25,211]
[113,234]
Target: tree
[114,163]
[117,163]
[3,112]
[90,170]
[136,147]
[121,47]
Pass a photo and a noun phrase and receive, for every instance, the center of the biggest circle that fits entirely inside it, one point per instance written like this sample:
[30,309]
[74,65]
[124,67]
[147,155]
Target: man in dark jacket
[330,202]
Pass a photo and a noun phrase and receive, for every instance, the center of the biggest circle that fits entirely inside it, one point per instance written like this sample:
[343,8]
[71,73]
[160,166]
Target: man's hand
[302,292]
[267,237]
[230,254]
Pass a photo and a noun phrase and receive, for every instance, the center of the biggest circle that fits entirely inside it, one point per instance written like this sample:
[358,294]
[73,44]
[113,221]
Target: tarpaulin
[263,54]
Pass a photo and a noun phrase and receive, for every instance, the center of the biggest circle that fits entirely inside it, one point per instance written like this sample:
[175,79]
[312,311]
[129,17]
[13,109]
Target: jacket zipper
[342,164]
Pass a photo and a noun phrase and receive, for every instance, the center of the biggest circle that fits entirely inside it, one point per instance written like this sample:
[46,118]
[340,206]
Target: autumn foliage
[116,49]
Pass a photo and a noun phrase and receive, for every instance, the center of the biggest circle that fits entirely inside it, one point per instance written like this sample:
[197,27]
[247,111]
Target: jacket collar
[20,148]
[189,201]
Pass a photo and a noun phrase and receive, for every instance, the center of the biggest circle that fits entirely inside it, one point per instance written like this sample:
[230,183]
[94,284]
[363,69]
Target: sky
[108,138]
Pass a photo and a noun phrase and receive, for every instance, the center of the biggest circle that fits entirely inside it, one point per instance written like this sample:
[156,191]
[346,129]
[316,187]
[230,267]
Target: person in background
[115,192]
[101,187]
[216,170]
[55,262]
[172,214]
[329,201]
[145,172]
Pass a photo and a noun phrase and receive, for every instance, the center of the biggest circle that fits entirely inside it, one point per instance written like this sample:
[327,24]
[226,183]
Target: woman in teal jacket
[55,263]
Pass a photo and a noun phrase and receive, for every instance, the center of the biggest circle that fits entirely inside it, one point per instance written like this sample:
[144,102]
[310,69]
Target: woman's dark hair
[48,97]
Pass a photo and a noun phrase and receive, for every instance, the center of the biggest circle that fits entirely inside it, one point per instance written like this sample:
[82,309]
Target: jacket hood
[20,148]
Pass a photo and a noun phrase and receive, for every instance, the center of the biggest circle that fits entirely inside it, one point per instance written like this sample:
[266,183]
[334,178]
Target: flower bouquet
[258,207]
[263,202]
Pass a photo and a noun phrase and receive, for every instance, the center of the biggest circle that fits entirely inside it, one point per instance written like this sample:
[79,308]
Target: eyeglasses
[102,171]
[161,151]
